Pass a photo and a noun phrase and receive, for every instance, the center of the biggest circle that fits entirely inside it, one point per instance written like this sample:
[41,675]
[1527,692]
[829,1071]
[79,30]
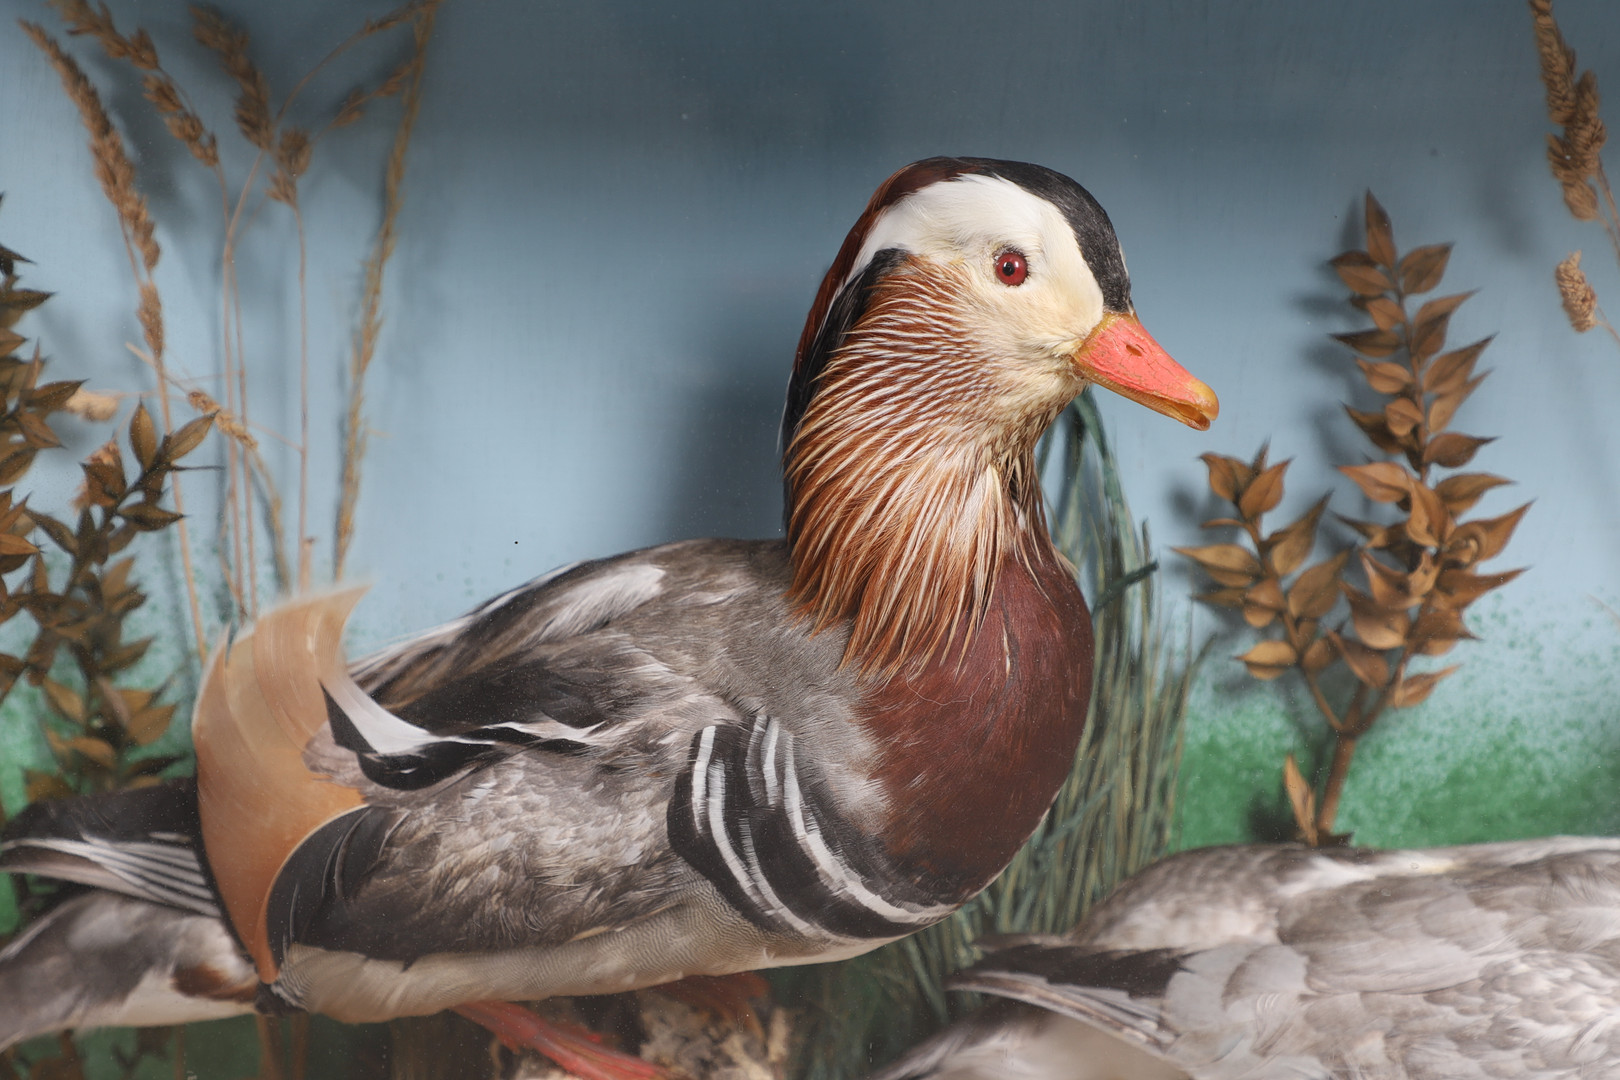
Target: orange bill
[1123,357]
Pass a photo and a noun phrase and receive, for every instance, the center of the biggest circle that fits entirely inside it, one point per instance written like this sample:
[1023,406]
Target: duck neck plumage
[915,518]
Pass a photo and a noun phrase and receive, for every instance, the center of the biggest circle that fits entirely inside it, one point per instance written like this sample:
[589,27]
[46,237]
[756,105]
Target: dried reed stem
[303,405]
[117,177]
[365,344]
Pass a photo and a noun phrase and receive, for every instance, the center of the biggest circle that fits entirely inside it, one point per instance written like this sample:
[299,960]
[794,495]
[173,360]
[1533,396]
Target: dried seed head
[113,168]
[1581,199]
[293,152]
[225,421]
[1585,134]
[92,405]
[253,102]
[1580,301]
[1557,63]
[150,314]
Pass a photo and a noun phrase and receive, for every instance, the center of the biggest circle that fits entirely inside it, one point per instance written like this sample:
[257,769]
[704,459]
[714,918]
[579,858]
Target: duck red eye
[1011,269]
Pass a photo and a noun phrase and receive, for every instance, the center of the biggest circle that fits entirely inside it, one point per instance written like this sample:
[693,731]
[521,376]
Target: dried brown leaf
[1263,493]
[93,749]
[1386,377]
[1289,546]
[1462,491]
[1227,475]
[1490,535]
[149,517]
[1231,596]
[1262,603]
[12,544]
[143,436]
[1318,655]
[1372,425]
[1391,588]
[36,431]
[1428,523]
[1374,343]
[1457,588]
[1358,271]
[43,786]
[1429,326]
[1421,268]
[1228,564]
[1414,688]
[1269,659]
[1301,798]
[1366,664]
[1380,235]
[66,701]
[1380,481]
[148,724]
[1452,450]
[1451,370]
[1435,631]
[1445,405]
[1386,313]
[187,439]
[1316,590]
[1401,417]
[1376,625]
[51,396]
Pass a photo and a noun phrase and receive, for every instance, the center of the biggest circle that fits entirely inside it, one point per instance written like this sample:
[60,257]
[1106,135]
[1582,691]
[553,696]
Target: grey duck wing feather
[635,751]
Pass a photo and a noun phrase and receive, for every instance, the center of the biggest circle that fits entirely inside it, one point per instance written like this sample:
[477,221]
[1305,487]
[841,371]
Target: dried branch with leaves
[1410,577]
[79,596]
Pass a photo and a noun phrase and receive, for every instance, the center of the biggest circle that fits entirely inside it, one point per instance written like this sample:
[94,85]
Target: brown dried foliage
[1575,157]
[409,78]
[1407,581]
[284,153]
[78,653]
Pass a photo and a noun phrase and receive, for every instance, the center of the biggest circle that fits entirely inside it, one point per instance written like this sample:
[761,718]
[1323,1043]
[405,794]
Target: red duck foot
[725,996]
[575,1049]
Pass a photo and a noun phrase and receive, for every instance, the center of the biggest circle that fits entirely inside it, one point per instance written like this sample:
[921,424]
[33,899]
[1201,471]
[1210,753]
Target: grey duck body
[1492,960]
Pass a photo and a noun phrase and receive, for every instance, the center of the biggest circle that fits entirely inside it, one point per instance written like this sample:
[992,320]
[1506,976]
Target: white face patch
[965,223]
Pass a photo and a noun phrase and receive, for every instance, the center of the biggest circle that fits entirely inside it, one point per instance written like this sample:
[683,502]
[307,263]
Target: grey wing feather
[101,959]
[143,843]
[528,755]
[1498,960]
[1012,1041]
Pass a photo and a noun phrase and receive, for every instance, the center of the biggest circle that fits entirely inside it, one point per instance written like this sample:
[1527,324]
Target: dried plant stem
[270,1052]
[365,345]
[117,176]
[1417,572]
[1611,217]
[303,405]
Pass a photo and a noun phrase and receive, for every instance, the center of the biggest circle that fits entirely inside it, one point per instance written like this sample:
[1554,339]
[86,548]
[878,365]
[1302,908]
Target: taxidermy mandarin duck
[1279,961]
[703,758]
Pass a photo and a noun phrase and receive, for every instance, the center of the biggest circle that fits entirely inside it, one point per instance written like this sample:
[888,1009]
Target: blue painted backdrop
[617,214]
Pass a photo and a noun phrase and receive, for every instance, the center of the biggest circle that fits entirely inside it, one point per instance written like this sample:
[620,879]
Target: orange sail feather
[260,703]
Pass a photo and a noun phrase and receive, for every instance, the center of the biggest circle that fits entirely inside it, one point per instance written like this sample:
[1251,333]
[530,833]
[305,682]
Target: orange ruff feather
[260,703]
